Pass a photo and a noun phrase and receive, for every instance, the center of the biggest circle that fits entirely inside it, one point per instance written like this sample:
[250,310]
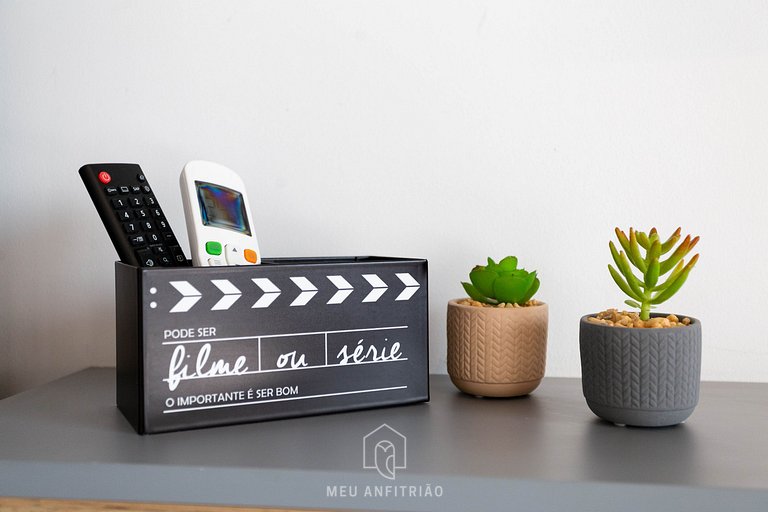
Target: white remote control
[218,216]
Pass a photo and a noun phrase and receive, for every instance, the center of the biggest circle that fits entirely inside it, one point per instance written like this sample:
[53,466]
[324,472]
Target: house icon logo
[384,451]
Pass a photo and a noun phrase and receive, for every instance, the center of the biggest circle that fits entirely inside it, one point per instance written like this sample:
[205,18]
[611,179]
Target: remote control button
[137,240]
[124,215]
[129,227]
[146,189]
[213,248]
[177,254]
[104,177]
[146,258]
[162,225]
[234,255]
[157,213]
[150,201]
[135,201]
[147,225]
[141,178]
[216,262]
[142,214]
[250,256]
[125,190]
[135,189]
[159,249]
[110,190]
[153,238]
[169,238]
[165,260]
[119,203]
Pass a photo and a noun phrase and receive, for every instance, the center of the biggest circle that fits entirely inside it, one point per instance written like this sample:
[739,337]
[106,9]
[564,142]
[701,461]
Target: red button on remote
[104,177]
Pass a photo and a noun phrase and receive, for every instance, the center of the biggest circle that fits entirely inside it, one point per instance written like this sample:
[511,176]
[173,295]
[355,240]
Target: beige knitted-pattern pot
[496,352]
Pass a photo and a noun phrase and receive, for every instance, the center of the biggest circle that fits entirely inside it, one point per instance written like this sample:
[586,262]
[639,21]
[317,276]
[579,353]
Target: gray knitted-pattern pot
[641,377]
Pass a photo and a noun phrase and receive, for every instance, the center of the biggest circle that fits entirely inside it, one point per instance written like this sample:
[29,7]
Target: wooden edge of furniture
[9,504]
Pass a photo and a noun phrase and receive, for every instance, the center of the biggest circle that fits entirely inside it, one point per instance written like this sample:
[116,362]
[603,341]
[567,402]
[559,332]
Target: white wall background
[445,130]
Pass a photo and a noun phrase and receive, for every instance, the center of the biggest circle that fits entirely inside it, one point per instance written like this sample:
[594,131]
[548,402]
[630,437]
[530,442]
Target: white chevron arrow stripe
[411,286]
[190,296]
[308,290]
[379,287]
[270,292]
[345,289]
[230,291]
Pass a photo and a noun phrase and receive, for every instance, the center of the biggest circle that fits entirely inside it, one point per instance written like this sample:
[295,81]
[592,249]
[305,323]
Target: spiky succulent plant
[501,282]
[646,292]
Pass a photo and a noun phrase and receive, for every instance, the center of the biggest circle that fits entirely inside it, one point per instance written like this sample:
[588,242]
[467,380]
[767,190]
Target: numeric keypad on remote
[132,215]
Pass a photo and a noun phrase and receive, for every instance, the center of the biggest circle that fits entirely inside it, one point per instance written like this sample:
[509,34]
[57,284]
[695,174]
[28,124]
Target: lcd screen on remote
[222,207]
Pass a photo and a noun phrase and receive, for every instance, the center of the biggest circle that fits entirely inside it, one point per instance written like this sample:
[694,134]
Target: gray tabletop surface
[542,452]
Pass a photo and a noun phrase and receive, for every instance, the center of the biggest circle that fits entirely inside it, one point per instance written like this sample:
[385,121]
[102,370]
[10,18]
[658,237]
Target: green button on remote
[213,248]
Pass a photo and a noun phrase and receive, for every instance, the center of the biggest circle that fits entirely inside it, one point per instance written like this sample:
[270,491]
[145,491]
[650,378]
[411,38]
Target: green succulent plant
[646,292]
[500,282]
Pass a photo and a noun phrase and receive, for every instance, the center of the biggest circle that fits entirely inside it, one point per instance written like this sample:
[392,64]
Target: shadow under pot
[496,352]
[638,376]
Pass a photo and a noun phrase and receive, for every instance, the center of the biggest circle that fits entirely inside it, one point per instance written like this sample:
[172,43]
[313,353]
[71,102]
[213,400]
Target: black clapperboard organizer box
[200,347]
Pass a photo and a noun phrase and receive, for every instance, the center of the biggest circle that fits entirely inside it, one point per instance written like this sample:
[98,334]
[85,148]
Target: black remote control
[133,218]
